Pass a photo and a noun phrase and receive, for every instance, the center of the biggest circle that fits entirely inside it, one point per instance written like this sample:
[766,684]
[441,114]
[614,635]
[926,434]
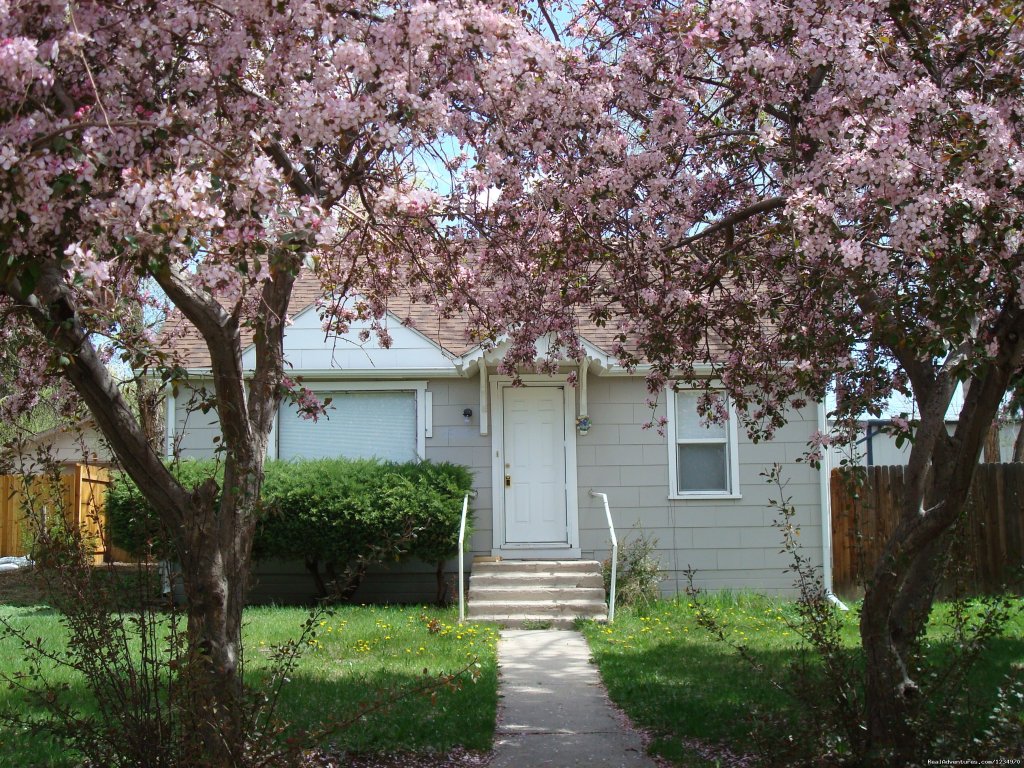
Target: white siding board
[617,455]
[644,475]
[716,538]
[611,413]
[308,348]
[621,499]
[701,560]
[585,454]
[463,436]
[635,434]
[739,559]
[194,430]
[682,538]
[598,478]
[654,495]
[599,434]
[766,536]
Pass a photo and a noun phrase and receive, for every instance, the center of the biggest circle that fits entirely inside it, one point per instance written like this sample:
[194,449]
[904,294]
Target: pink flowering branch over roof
[196,151]
[785,192]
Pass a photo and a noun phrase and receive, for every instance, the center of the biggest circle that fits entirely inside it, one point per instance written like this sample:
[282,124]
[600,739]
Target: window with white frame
[702,455]
[362,422]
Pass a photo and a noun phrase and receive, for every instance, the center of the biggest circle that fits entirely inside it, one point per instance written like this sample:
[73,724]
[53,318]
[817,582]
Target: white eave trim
[492,355]
[333,374]
[336,374]
[465,367]
[700,370]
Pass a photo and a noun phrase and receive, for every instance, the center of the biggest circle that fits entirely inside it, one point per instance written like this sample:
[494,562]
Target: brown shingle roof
[449,333]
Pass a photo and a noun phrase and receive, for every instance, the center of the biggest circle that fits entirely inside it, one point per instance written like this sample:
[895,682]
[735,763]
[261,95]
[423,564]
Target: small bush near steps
[639,576]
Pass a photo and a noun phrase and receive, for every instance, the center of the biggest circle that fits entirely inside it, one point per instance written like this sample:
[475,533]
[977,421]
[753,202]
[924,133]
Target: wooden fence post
[991,542]
[83,489]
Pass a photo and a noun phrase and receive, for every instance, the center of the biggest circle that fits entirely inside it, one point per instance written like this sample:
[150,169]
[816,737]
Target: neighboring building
[876,445]
[79,443]
[433,395]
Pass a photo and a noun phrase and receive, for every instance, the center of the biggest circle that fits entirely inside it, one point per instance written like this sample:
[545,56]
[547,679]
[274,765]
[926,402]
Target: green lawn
[691,690]
[359,655]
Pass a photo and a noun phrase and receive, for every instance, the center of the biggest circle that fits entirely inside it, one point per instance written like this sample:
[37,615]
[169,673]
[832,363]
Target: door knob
[508,481]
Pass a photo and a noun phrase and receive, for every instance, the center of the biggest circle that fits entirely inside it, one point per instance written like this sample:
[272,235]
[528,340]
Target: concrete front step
[526,621]
[523,580]
[524,593]
[568,608]
[534,592]
[534,566]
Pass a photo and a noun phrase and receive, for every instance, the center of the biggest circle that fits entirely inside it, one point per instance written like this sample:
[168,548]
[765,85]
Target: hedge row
[332,512]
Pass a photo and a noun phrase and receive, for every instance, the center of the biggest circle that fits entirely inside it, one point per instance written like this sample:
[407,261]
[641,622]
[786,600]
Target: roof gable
[307,347]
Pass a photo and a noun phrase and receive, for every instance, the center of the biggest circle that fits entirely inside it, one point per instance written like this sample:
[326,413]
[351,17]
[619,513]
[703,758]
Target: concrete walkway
[553,709]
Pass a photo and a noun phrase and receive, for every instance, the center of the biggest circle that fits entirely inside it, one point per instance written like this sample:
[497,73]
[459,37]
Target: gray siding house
[696,489]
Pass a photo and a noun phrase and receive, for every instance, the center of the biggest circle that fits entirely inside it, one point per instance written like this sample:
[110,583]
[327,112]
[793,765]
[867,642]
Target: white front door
[534,465]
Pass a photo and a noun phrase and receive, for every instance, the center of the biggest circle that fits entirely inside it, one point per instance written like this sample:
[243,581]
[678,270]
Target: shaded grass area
[364,655]
[360,657]
[20,587]
[691,690]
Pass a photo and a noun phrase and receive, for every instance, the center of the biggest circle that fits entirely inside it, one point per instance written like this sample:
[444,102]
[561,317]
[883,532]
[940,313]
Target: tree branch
[987,389]
[269,347]
[734,218]
[914,35]
[46,138]
[292,176]
[52,312]
[220,331]
[547,18]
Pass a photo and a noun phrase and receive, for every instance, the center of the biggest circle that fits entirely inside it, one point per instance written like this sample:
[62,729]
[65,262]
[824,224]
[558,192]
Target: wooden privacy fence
[80,496]
[989,547]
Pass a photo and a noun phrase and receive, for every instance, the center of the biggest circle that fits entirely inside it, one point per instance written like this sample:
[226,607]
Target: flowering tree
[796,193]
[198,156]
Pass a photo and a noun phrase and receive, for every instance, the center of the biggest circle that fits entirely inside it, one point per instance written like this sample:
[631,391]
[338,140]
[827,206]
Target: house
[435,395]
[876,444]
[78,443]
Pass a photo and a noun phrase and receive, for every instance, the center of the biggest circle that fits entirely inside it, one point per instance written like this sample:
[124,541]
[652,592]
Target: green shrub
[338,514]
[639,574]
[438,491]
[346,515]
[318,510]
[133,525]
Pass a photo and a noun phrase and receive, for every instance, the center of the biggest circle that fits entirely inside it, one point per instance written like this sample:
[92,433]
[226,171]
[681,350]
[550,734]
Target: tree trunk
[904,584]
[895,612]
[344,585]
[214,550]
[313,566]
[1018,444]
[213,538]
[442,586]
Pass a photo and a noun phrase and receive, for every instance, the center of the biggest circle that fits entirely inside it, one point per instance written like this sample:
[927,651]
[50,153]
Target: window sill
[705,496]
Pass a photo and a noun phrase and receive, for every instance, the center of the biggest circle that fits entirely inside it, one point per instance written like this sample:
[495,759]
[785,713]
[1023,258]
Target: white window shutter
[358,425]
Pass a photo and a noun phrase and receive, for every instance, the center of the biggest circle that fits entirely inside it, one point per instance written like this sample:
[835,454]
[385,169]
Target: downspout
[824,476]
[169,426]
[485,416]
[584,367]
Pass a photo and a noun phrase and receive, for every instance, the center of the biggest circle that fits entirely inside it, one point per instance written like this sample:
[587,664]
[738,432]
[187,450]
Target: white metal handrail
[615,553]
[462,557]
